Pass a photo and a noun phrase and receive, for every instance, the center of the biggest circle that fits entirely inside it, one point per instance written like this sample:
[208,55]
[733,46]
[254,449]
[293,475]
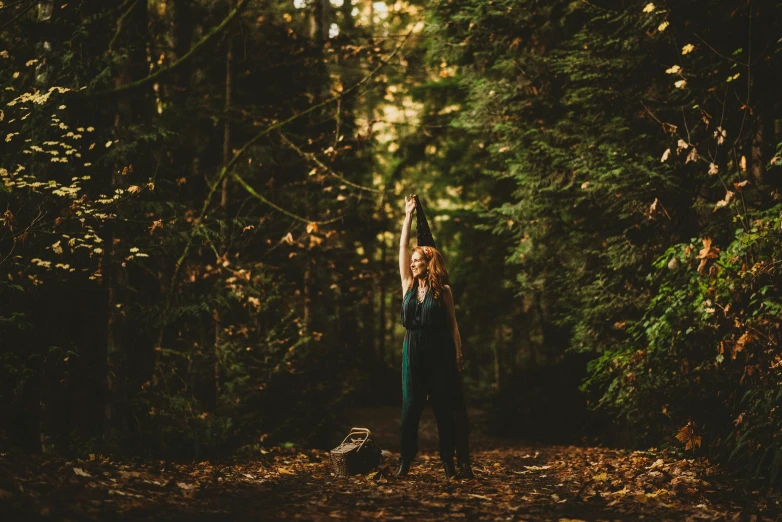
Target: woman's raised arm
[404,240]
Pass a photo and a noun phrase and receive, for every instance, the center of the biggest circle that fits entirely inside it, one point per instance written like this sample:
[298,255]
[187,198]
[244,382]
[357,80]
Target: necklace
[422,293]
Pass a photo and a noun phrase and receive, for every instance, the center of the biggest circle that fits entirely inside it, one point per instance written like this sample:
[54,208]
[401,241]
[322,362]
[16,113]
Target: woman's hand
[409,204]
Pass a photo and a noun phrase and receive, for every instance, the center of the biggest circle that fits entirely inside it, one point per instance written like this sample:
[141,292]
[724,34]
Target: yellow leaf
[687,49]
[648,8]
[622,492]
[740,186]
[729,196]
[708,251]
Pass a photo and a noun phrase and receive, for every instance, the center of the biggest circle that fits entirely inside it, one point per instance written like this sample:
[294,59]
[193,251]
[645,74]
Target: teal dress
[429,369]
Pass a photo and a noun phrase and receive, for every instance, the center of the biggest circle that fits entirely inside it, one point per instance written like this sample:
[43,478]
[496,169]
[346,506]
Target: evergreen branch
[120,22]
[314,159]
[288,213]
[165,70]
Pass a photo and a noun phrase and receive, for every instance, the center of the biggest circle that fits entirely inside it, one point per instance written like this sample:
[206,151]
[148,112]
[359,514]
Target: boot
[450,469]
[404,468]
[465,470]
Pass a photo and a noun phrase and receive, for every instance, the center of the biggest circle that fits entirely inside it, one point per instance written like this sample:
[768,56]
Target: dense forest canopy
[201,203]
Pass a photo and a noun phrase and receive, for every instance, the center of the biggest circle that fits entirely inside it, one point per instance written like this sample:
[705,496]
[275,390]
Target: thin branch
[17,17]
[26,230]
[165,70]
[314,159]
[686,128]
[288,213]
[9,6]
[228,166]
[120,21]
[715,51]
[338,118]
[749,78]
[652,115]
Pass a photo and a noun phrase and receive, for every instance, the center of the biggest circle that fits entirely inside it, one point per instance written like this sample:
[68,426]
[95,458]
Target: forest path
[513,481]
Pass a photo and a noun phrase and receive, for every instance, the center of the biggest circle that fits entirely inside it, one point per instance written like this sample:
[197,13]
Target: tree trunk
[497,357]
[132,109]
[756,151]
[319,21]
[182,30]
[381,345]
[216,315]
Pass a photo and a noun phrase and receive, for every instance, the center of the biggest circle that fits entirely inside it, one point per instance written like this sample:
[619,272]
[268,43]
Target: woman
[432,353]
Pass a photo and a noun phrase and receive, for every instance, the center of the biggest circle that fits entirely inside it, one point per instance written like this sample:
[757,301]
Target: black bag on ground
[357,454]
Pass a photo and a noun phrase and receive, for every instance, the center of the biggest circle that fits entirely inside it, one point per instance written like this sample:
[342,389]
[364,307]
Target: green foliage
[620,133]
[706,349]
[211,249]
[194,314]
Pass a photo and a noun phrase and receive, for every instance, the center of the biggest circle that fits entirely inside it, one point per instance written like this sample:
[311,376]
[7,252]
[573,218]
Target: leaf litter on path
[557,483]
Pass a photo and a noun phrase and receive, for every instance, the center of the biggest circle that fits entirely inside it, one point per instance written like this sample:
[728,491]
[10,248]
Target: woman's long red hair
[437,275]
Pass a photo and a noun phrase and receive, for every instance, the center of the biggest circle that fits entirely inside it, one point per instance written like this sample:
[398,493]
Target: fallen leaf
[657,464]
[688,435]
[482,497]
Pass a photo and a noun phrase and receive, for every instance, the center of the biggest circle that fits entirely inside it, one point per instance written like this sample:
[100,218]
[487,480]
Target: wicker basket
[357,454]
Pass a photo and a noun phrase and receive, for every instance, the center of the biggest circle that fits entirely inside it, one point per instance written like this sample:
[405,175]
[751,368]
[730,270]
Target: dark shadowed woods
[200,212]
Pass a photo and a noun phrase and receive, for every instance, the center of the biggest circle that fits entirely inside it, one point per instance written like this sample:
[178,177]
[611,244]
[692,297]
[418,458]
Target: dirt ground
[513,481]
